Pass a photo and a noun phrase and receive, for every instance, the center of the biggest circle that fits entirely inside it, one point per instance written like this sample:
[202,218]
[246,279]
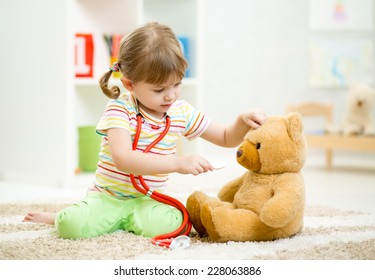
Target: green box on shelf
[88,148]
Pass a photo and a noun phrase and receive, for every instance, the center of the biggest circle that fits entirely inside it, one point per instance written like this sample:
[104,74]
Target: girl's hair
[150,54]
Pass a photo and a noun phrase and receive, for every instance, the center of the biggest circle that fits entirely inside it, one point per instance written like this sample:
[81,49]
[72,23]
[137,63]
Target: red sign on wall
[84,55]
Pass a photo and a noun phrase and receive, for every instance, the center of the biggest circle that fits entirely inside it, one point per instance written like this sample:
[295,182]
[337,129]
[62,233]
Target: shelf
[86,102]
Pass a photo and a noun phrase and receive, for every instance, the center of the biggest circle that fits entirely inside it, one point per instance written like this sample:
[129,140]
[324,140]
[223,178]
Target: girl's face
[155,99]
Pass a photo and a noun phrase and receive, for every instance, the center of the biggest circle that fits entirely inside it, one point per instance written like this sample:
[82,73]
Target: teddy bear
[267,202]
[358,119]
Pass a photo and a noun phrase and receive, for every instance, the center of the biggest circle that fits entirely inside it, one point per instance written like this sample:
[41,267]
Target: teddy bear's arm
[229,190]
[287,202]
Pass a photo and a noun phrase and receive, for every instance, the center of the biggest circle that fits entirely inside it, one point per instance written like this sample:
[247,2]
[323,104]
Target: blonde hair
[150,54]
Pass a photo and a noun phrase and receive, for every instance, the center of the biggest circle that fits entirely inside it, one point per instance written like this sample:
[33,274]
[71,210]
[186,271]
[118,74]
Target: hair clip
[115,67]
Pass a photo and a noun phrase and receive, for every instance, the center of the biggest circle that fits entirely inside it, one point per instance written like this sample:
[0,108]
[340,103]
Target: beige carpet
[329,234]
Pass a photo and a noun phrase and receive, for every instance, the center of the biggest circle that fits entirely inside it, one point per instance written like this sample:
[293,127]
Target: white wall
[33,85]
[258,51]
[256,54]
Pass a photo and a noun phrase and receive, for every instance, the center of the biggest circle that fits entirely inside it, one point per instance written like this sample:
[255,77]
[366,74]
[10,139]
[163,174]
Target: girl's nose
[170,94]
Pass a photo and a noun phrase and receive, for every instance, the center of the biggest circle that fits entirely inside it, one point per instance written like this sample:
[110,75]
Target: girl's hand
[193,164]
[255,118]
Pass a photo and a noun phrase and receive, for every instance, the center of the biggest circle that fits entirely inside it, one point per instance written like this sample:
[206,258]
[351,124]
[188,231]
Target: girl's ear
[127,84]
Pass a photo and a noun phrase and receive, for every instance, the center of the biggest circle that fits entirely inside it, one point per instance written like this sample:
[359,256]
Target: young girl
[152,67]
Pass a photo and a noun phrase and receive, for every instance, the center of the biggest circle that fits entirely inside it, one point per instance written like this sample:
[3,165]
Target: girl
[152,67]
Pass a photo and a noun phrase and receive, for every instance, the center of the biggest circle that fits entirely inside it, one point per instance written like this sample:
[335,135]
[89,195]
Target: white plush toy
[358,119]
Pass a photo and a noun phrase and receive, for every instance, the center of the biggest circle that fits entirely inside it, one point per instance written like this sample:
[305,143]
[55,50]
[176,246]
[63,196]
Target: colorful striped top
[121,113]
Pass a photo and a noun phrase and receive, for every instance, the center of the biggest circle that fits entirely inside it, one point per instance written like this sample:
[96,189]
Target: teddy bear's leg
[352,129]
[369,129]
[224,222]
[194,206]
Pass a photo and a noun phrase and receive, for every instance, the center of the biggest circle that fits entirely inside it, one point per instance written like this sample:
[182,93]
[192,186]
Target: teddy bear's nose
[239,153]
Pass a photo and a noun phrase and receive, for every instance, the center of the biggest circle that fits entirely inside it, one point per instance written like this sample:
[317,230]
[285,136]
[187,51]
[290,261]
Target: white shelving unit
[85,101]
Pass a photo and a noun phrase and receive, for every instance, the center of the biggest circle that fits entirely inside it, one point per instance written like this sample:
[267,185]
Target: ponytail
[114,91]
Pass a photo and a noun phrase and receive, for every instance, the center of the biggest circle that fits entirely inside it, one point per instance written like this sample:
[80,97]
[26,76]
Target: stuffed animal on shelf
[358,119]
[268,201]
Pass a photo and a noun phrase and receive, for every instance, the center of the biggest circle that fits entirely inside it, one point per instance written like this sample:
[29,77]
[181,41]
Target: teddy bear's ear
[294,126]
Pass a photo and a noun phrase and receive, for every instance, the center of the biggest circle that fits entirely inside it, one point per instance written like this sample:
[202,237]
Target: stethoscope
[178,238]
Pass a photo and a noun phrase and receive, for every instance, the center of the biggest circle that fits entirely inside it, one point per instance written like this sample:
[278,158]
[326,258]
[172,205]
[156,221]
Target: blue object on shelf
[185,47]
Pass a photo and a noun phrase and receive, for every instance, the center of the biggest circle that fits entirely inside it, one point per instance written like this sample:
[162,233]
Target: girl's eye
[159,90]
[177,84]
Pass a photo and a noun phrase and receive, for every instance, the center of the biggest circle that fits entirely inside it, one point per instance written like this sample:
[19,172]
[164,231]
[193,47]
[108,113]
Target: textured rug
[329,234]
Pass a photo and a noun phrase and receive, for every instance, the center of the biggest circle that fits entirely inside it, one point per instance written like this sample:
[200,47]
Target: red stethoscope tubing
[163,240]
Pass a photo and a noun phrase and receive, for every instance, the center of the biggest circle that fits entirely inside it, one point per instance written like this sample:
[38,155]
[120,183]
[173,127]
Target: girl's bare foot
[40,217]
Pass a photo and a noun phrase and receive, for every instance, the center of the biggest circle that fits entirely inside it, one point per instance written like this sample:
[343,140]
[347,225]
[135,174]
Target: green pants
[100,213]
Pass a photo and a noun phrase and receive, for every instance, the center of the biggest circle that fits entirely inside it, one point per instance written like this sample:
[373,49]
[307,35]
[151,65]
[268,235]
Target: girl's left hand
[254,118]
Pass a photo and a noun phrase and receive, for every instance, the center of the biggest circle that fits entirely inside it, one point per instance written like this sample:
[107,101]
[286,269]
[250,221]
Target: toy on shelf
[358,118]
[113,42]
[84,55]
[185,47]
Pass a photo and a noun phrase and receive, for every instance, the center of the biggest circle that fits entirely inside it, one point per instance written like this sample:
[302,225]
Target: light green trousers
[100,213]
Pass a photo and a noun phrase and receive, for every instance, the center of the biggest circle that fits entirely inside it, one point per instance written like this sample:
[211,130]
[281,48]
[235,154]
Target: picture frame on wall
[341,15]
[341,63]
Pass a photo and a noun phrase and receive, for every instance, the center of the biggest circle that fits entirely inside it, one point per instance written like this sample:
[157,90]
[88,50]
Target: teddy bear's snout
[239,153]
[248,156]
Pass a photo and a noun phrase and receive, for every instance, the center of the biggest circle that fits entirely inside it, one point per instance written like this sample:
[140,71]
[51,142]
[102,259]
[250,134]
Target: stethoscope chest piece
[180,242]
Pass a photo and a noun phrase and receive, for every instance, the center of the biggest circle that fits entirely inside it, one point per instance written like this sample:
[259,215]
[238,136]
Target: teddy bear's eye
[257,146]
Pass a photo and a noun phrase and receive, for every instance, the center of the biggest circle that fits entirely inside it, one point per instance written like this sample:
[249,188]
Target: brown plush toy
[268,201]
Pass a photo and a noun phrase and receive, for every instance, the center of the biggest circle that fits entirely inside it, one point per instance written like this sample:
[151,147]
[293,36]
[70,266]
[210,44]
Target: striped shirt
[121,113]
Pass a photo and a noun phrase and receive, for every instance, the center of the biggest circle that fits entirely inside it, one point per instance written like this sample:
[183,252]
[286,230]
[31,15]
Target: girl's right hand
[193,164]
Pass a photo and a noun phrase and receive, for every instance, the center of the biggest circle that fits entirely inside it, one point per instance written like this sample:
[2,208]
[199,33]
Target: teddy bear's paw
[194,206]
[206,217]
[276,217]
[351,130]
